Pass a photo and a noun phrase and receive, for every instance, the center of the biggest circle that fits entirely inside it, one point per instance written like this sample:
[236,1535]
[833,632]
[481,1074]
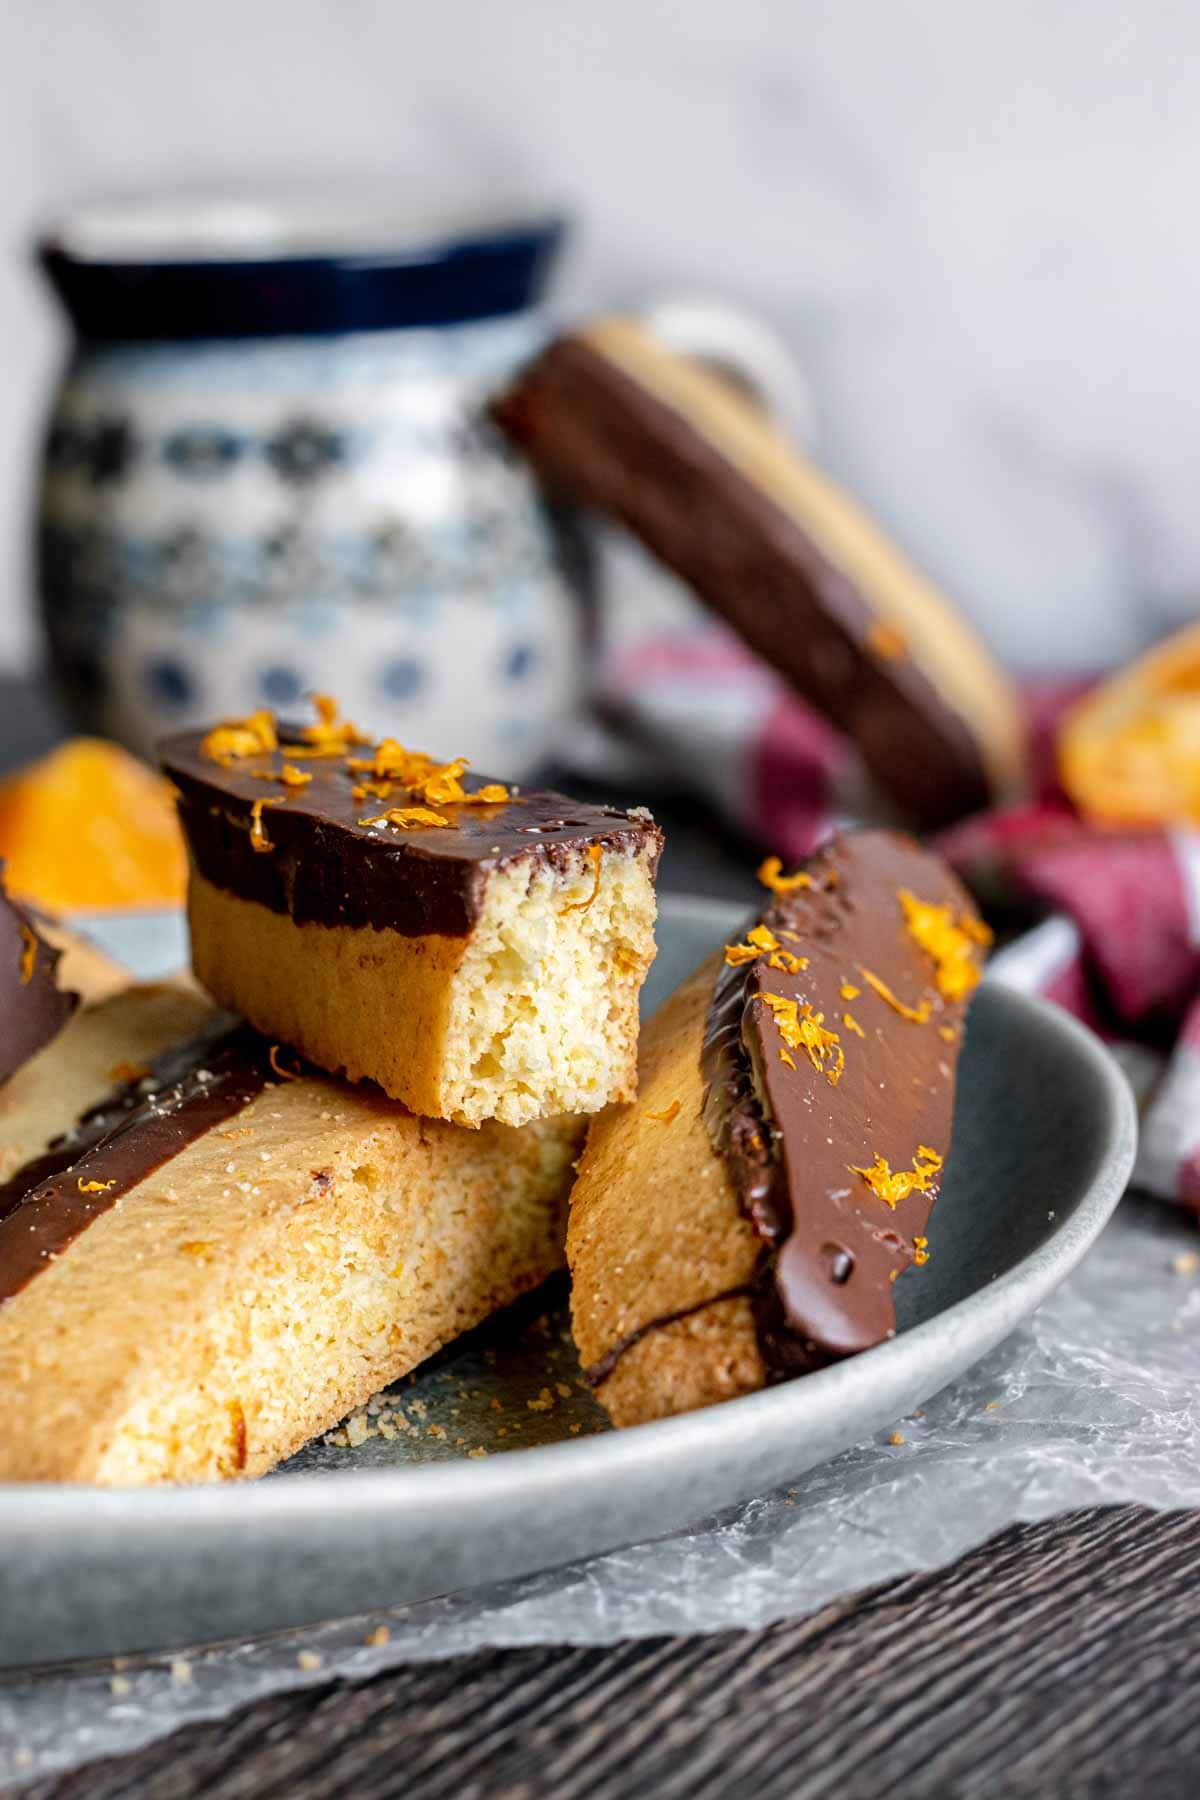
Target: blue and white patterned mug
[268,472]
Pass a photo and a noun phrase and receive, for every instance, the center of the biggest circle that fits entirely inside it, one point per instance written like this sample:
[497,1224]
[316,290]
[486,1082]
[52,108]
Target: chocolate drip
[598,1372]
[324,868]
[33,1008]
[792,1141]
[121,1141]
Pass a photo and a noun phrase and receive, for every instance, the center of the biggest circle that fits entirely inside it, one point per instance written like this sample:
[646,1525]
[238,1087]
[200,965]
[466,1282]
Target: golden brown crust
[269,1278]
[370,1003]
[655,1229]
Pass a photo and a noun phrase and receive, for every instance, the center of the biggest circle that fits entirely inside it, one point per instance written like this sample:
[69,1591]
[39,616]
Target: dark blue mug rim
[450,280]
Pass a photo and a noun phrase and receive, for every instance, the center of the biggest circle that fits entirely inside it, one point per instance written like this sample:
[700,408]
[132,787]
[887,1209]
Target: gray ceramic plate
[1043,1145]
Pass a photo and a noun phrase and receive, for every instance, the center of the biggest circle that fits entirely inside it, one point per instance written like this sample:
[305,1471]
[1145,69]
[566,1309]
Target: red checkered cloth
[1105,923]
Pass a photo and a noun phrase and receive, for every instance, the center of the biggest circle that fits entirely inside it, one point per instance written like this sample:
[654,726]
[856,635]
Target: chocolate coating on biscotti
[33,1008]
[792,1139]
[50,1201]
[324,868]
[594,431]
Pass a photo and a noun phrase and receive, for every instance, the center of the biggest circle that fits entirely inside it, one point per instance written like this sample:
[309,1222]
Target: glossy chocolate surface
[121,1141]
[324,868]
[33,1008]
[598,435]
[792,1140]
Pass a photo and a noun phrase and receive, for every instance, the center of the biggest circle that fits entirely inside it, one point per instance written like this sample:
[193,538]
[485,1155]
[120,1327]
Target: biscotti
[207,1255]
[475,950]
[34,1005]
[746,1220]
[611,417]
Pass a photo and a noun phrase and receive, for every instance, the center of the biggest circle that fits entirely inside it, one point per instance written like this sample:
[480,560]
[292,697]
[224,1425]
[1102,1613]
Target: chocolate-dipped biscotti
[34,1006]
[746,1220]
[614,419]
[476,950]
[208,1256]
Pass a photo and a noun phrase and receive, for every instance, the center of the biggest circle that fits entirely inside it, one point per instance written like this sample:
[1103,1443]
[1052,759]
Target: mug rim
[156,269]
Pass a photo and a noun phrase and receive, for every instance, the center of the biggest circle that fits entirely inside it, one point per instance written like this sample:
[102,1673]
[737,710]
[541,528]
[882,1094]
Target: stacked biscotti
[220,1230]
[230,1212]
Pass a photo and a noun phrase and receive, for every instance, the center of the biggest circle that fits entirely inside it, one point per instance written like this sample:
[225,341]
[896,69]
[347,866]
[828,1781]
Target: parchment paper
[1096,1401]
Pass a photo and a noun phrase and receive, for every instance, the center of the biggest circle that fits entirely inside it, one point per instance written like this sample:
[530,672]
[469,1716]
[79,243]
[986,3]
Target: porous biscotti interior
[543,1017]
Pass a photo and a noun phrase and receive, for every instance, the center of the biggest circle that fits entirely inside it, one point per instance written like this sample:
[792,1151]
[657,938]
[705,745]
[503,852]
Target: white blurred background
[973,219]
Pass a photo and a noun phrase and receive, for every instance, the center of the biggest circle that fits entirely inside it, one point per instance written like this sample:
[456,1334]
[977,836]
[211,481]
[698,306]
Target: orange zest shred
[918,1014]
[849,991]
[390,761]
[29,950]
[770,873]
[258,836]
[886,641]
[785,1056]
[94,1187]
[949,1033]
[761,941]
[128,1072]
[803,1029]
[667,1115]
[444,784]
[289,775]
[852,1024]
[920,1251]
[951,944]
[439,784]
[595,856]
[335,748]
[891,1187]
[331,732]
[278,1068]
[409,818]
[229,742]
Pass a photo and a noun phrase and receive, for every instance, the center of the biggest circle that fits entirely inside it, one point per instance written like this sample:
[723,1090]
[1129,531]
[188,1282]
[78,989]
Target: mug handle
[744,350]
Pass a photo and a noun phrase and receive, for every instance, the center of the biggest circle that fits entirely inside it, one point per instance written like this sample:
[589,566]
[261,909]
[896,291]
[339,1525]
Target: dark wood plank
[1058,1659]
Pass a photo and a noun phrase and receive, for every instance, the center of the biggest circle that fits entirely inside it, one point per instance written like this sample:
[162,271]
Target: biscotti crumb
[119,1686]
[543,1403]
[358,1430]
[181,1671]
[477,1452]
[375,1640]
[308,1660]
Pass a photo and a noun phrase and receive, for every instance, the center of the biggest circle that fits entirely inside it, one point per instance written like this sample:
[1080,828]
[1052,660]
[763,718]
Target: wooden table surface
[1059,1659]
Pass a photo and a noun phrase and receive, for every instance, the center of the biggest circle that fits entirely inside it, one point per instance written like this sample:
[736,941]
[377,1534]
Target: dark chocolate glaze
[33,1009]
[123,1140]
[323,868]
[596,434]
[598,1372]
[831,1248]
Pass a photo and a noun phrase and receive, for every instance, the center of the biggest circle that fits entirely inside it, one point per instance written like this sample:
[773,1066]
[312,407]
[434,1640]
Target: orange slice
[1129,751]
[91,829]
